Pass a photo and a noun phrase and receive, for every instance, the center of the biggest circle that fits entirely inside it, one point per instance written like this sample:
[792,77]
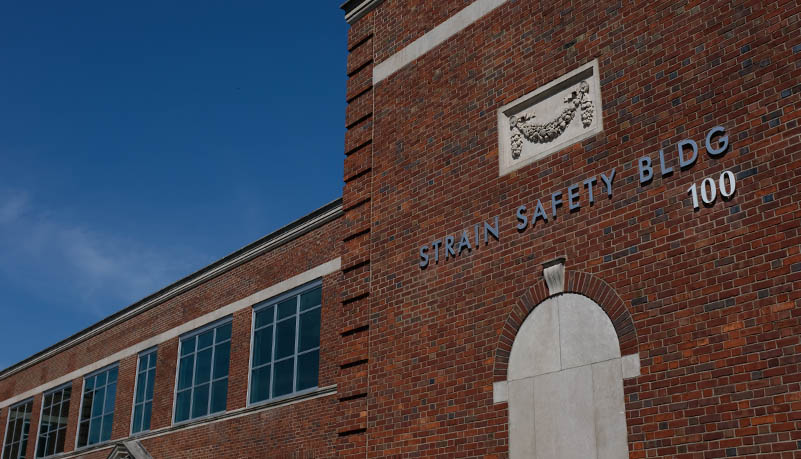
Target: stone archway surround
[571,282]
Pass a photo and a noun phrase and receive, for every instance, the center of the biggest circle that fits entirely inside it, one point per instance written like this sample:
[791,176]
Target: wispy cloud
[84,268]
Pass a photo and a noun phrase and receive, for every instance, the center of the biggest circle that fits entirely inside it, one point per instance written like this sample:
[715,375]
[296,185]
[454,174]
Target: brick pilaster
[352,381]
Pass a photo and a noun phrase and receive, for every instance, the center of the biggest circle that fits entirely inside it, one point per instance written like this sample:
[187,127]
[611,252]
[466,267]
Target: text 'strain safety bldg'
[567,230]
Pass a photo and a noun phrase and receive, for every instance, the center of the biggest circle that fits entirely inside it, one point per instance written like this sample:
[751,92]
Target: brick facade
[712,295]
[710,299]
[307,427]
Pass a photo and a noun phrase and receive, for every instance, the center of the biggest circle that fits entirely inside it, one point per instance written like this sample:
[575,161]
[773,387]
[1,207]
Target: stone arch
[577,282]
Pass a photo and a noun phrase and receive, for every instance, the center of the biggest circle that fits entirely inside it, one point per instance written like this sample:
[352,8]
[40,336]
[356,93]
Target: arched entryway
[565,383]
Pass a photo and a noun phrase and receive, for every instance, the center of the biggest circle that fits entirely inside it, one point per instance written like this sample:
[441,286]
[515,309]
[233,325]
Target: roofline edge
[355,9]
[277,238]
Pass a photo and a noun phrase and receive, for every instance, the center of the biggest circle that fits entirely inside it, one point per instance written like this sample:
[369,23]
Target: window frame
[8,423]
[274,301]
[198,331]
[80,408]
[41,413]
[152,350]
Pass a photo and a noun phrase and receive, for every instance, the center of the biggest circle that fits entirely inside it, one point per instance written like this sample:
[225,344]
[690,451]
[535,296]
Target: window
[53,424]
[97,407]
[202,386]
[143,394]
[286,345]
[19,423]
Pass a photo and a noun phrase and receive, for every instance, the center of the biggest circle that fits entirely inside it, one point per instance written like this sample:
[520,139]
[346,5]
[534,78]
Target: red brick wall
[314,248]
[714,294]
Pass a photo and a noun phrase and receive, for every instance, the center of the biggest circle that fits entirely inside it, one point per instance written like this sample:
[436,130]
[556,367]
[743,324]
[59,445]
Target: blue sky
[141,141]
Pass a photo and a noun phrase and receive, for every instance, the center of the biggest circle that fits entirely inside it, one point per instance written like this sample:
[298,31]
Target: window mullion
[272,357]
[297,341]
[141,425]
[103,407]
[211,369]
[194,375]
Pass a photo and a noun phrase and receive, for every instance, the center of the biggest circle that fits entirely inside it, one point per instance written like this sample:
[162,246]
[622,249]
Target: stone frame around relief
[550,104]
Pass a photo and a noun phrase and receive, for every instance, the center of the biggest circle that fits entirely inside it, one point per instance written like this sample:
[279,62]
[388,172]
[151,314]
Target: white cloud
[81,267]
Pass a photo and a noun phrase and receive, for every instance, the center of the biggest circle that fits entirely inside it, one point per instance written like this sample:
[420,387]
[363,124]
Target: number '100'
[709,190]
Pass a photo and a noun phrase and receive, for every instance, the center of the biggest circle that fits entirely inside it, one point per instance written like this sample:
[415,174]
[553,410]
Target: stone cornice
[355,9]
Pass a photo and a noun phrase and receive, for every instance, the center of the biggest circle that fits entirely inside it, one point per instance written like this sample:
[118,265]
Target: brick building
[567,229]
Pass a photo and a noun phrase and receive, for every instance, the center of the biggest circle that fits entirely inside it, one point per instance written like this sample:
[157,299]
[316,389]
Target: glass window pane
[223,333]
[205,339]
[152,360]
[285,338]
[105,431]
[263,346]
[41,445]
[100,380]
[112,375]
[88,398]
[14,431]
[146,416]
[56,398]
[151,380]
[51,444]
[186,366]
[111,396]
[45,423]
[287,307]
[143,361]
[94,431]
[222,357]
[282,377]
[97,407]
[308,366]
[65,409]
[188,345]
[141,385]
[182,402]
[203,366]
[265,317]
[137,419]
[200,401]
[311,299]
[309,330]
[260,384]
[219,394]
[62,435]
[89,383]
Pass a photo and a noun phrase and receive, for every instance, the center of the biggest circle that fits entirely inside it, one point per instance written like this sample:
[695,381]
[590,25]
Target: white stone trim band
[434,37]
[213,419]
[269,292]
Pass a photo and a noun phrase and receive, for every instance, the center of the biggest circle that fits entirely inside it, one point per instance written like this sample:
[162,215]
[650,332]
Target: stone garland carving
[544,133]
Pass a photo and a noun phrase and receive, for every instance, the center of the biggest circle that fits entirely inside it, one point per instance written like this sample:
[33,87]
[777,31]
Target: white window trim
[181,339]
[274,302]
[136,385]
[80,408]
[41,411]
[8,422]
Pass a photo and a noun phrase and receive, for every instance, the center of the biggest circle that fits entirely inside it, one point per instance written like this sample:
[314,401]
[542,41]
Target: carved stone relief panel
[550,118]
